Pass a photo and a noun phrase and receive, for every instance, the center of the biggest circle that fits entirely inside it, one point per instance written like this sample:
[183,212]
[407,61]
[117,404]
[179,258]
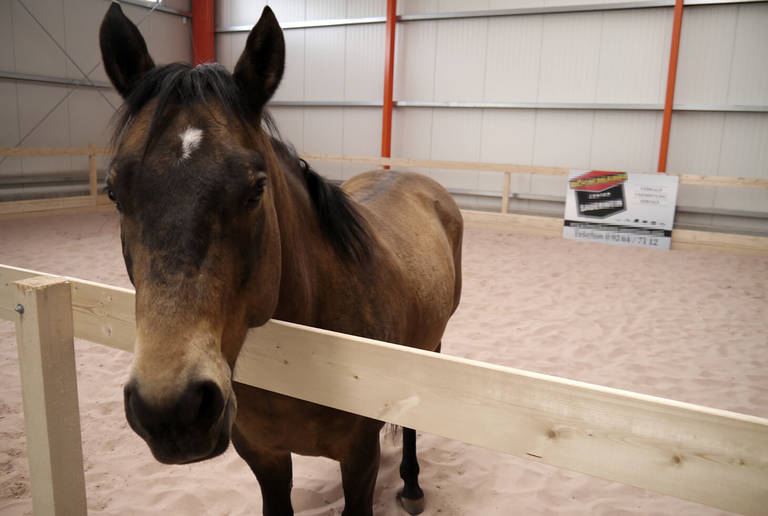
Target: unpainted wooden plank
[705,455]
[44,334]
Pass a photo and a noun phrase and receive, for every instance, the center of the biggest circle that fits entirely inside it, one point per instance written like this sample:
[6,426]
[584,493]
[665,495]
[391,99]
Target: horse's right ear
[123,50]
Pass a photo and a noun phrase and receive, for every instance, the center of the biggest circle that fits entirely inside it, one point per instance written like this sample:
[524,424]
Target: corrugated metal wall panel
[34,102]
[706,50]
[81,23]
[290,121]
[366,8]
[570,57]
[324,63]
[326,9]
[507,137]
[9,129]
[625,140]
[7,60]
[634,56]
[745,146]
[563,138]
[461,59]
[415,61]
[364,63]
[289,10]
[292,85]
[362,137]
[694,143]
[749,73]
[245,13]
[412,132]
[34,51]
[456,136]
[324,134]
[513,59]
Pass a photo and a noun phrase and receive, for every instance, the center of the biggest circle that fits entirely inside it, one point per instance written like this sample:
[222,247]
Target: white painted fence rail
[710,456]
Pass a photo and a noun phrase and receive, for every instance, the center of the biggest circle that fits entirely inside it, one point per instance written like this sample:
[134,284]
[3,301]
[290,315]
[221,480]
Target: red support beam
[389,75]
[671,76]
[202,32]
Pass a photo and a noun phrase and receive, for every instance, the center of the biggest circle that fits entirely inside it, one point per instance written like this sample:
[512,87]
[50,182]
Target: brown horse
[224,227]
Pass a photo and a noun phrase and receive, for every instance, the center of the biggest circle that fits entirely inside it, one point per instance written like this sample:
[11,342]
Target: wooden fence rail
[506,168]
[710,456]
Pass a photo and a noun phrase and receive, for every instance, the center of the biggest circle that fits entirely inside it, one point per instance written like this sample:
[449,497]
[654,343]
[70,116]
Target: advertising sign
[620,208]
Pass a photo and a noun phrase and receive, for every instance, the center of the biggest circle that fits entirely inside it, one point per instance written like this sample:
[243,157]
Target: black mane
[179,84]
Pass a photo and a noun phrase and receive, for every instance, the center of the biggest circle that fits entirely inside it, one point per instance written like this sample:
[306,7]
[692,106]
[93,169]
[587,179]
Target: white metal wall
[604,57]
[84,116]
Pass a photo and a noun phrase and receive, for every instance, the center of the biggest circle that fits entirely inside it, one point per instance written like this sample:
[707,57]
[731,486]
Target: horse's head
[191,178]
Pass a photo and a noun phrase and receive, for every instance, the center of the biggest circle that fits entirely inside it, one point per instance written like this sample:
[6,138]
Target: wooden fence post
[505,195]
[93,178]
[44,335]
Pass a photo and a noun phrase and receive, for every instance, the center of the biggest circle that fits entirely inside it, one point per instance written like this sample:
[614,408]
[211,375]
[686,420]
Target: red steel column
[389,75]
[673,51]
[202,32]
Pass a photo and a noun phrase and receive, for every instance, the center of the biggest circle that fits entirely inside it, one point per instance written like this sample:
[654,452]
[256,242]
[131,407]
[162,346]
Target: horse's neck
[303,249]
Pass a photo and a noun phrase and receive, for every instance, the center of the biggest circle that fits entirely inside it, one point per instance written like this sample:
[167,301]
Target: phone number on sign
[620,238]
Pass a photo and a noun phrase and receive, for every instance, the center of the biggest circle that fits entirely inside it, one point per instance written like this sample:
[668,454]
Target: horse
[223,227]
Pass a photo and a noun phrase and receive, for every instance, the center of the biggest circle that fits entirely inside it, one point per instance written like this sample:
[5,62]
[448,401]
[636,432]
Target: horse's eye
[257,191]
[111,195]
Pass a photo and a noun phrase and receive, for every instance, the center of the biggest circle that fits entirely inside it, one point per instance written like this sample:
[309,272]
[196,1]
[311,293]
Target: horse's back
[419,227]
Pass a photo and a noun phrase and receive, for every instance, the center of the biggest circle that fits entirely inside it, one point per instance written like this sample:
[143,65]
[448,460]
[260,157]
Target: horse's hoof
[411,505]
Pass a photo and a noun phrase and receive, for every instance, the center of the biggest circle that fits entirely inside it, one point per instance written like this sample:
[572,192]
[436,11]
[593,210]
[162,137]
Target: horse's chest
[277,422]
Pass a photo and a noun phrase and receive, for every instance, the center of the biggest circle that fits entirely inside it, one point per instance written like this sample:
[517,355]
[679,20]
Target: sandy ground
[691,326]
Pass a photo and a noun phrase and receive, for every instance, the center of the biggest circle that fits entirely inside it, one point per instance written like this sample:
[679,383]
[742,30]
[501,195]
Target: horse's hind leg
[411,496]
[274,472]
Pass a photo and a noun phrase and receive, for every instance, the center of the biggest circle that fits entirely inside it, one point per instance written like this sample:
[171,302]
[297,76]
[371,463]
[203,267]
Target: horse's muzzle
[193,427]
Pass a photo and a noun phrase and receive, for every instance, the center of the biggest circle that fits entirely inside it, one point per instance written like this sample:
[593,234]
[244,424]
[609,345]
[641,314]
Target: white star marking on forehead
[190,140]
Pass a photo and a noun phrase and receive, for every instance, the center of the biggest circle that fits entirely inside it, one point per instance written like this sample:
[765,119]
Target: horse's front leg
[359,469]
[273,470]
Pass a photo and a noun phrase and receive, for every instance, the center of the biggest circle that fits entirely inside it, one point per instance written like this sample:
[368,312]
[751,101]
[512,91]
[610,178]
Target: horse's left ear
[260,67]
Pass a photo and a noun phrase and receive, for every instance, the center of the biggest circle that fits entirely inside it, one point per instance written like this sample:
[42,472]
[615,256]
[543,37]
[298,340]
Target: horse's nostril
[201,404]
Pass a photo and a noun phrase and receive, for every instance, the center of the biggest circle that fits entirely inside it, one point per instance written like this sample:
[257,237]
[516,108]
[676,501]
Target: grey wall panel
[415,61]
[364,63]
[742,199]
[290,121]
[456,136]
[412,132]
[7,60]
[744,146]
[417,7]
[706,50]
[222,44]
[366,8]
[221,13]
[634,56]
[292,86]
[507,137]
[513,59]
[34,102]
[326,9]
[170,38]
[9,128]
[695,142]
[749,73]
[362,137]
[90,116]
[35,53]
[324,134]
[289,10]
[563,138]
[570,57]
[81,22]
[245,13]
[625,140]
[460,60]
[324,63]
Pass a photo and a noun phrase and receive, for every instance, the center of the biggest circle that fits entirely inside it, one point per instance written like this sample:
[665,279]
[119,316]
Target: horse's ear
[260,67]
[123,50]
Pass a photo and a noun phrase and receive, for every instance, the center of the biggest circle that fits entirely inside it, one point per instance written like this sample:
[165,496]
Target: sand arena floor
[691,326]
